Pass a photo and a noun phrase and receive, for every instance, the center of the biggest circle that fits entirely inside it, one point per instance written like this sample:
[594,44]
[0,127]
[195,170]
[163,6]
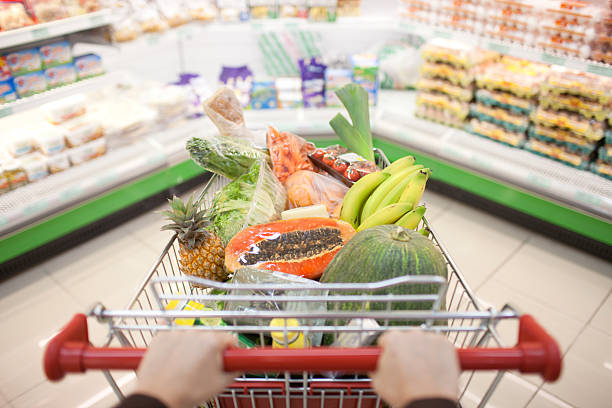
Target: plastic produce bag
[304,287]
[254,198]
[225,156]
[289,153]
[306,188]
[225,111]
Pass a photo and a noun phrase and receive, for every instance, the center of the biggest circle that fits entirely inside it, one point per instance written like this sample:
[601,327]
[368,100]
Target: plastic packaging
[293,9]
[587,108]
[14,15]
[505,100]
[436,85]
[289,92]
[238,79]
[30,84]
[336,78]
[517,76]
[49,139]
[399,63]
[318,210]
[8,92]
[5,70]
[254,198]
[64,109]
[263,95]
[602,169]
[365,73]
[589,129]
[58,53]
[148,17]
[499,116]
[289,153]
[233,10]
[203,10]
[86,152]
[60,75]
[496,132]
[126,28]
[81,130]
[24,61]
[558,153]
[455,76]
[58,162]
[88,65]
[48,10]
[228,157]
[566,138]
[35,166]
[565,81]
[438,115]
[300,287]
[306,188]
[455,53]
[14,173]
[174,12]
[225,111]
[455,108]
[19,141]
[261,9]
[322,10]
[313,82]
[5,186]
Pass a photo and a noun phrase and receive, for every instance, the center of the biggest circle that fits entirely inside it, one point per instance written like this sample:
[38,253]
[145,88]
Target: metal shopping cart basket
[305,377]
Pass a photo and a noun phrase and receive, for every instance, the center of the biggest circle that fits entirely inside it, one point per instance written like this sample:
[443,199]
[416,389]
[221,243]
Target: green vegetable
[356,137]
[224,156]
[255,197]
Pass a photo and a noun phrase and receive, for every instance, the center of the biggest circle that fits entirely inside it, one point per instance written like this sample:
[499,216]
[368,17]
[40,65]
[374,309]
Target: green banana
[358,194]
[396,192]
[412,194]
[387,215]
[399,164]
[424,231]
[373,202]
[411,219]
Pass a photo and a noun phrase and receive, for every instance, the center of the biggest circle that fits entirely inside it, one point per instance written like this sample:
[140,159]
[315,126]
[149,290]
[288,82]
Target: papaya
[301,246]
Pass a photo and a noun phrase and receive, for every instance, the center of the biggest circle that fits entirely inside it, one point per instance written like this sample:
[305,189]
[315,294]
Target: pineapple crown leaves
[188,221]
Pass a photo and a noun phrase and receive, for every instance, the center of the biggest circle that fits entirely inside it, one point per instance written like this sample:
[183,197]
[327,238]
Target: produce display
[21,13]
[291,223]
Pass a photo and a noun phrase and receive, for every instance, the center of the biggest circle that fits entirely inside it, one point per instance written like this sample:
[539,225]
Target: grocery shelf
[44,31]
[505,47]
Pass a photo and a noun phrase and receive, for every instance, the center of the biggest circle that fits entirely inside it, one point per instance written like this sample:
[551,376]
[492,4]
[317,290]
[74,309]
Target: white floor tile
[563,278]
[436,204]
[511,392]
[3,401]
[587,372]
[603,318]
[544,399]
[479,243]
[147,229]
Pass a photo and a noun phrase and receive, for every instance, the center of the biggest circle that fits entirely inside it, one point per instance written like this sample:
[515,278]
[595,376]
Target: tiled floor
[568,291]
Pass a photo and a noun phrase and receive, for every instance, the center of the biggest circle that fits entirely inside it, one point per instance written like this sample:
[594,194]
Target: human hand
[415,365]
[184,369]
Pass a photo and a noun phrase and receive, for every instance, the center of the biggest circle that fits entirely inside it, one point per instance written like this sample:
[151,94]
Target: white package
[81,130]
[49,139]
[19,142]
[58,162]
[35,166]
[64,109]
[87,152]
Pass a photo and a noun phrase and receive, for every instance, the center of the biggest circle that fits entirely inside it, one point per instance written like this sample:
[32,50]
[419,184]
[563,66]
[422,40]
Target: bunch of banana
[389,196]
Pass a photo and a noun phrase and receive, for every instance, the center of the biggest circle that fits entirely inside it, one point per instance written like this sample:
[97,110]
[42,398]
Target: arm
[181,370]
[414,367]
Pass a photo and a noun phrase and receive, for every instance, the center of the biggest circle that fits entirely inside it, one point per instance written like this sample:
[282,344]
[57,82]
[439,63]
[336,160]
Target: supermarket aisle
[568,291]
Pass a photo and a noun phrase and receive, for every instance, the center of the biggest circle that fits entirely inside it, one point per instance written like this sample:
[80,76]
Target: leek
[356,137]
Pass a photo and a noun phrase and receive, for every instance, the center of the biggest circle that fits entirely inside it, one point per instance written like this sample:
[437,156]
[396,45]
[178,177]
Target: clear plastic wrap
[517,76]
[505,100]
[289,153]
[253,198]
[457,54]
[464,94]
[13,15]
[174,12]
[559,153]
[460,77]
[48,10]
[565,81]
[455,108]
[225,156]
[581,126]
[496,132]
[306,188]
[500,116]
[203,10]
[303,287]
[225,111]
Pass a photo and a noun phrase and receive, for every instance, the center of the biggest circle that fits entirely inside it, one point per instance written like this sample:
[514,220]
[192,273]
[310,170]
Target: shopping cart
[308,377]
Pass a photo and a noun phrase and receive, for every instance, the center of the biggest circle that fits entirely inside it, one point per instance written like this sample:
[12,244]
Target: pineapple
[201,251]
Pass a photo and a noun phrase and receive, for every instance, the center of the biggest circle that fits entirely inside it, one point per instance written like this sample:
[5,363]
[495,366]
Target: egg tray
[439,116]
[588,109]
[506,125]
[492,98]
[573,122]
[572,160]
[464,78]
[602,169]
[518,143]
[608,136]
[605,154]
[445,87]
[580,148]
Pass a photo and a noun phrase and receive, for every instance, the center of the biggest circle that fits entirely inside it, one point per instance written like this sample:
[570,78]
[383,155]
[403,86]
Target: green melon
[385,252]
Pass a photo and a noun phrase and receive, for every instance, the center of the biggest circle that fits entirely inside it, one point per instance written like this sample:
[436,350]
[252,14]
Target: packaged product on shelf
[88,65]
[505,100]
[438,115]
[126,28]
[79,7]
[60,75]
[260,9]
[5,186]
[203,10]
[81,130]
[456,108]
[30,84]
[436,85]
[306,188]
[454,75]
[240,80]
[149,17]
[322,10]
[564,137]
[49,139]
[399,63]
[7,91]
[365,73]
[605,154]
[517,76]
[558,153]
[602,169]
[313,82]
[514,21]
[174,12]
[58,162]
[496,132]
[25,61]
[590,129]
[14,173]
[565,81]
[349,8]
[455,53]
[233,10]
[48,10]
[289,92]
[5,70]
[587,108]
[170,101]
[501,117]
[35,166]
[336,78]
[293,8]
[263,95]
[14,15]
[19,141]
[86,152]
[58,53]
[64,109]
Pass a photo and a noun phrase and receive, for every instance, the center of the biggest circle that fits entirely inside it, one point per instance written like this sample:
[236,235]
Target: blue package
[25,61]
[30,84]
[7,91]
[55,54]
[88,65]
[263,95]
[313,82]
[60,75]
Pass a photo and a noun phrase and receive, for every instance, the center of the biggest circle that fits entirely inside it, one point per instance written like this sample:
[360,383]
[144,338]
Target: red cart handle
[536,352]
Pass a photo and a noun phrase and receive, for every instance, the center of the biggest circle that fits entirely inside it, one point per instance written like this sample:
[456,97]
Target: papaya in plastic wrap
[306,188]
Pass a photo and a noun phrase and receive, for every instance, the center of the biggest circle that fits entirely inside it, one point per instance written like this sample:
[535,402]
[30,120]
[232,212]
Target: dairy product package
[81,130]
[313,82]
[35,166]
[263,95]
[7,91]
[336,78]
[88,65]
[60,75]
[30,84]
[86,152]
[19,141]
[65,109]
[48,139]
[289,92]
[58,162]
[5,70]
[13,171]
[24,61]
[58,53]
[365,73]
[240,80]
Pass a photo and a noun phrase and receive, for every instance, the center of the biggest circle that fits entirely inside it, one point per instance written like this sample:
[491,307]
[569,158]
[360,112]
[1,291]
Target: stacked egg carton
[603,164]
[569,123]
[506,95]
[446,85]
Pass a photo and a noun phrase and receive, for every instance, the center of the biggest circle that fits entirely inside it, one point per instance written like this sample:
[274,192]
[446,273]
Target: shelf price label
[36,207]
[553,59]
[539,181]
[40,32]
[6,111]
[599,70]
[96,20]
[501,48]
[71,193]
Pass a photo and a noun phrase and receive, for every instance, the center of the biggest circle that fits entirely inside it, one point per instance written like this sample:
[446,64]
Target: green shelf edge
[510,196]
[70,220]
[47,230]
